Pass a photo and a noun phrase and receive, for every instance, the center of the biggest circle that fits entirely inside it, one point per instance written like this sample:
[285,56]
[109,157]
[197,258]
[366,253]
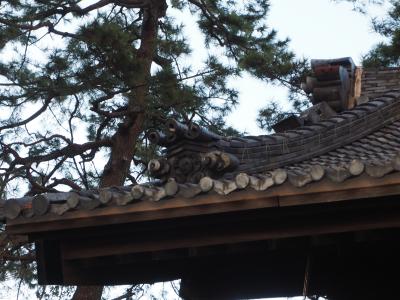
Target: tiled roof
[352,129]
[188,160]
[375,82]
[258,154]
[365,139]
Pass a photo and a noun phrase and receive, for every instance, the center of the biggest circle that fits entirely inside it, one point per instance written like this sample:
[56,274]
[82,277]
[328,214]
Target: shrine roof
[345,135]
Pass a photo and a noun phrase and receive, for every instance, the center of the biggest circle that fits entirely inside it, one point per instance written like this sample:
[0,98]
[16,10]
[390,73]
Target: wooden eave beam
[241,232]
[286,195]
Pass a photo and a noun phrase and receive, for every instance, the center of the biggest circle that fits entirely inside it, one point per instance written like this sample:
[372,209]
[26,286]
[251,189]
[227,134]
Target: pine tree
[386,54]
[80,84]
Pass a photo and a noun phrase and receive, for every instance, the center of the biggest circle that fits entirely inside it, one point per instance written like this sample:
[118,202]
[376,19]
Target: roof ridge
[192,158]
[278,150]
[364,108]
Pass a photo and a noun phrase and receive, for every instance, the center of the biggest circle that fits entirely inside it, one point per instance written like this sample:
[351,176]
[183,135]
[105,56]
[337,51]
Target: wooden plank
[345,195]
[82,219]
[91,272]
[82,273]
[259,226]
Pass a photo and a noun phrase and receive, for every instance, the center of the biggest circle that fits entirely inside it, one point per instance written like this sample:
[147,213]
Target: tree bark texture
[88,293]
[125,139]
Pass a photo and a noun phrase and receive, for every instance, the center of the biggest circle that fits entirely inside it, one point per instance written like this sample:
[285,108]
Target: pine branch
[29,119]
[64,181]
[70,150]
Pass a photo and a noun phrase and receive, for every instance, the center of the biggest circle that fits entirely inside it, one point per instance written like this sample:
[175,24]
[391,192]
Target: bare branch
[43,140]
[29,119]
[64,181]
[70,150]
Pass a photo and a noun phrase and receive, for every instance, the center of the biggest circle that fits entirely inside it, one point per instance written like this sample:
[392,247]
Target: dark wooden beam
[49,263]
[258,225]
[341,269]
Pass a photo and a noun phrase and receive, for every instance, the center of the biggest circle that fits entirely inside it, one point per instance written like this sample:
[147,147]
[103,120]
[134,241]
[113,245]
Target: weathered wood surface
[264,230]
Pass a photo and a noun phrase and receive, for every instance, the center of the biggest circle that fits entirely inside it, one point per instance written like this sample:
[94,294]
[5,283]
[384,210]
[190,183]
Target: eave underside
[209,239]
[265,252]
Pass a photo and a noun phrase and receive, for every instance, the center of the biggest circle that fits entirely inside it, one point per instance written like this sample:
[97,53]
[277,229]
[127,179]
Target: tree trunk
[88,293]
[125,139]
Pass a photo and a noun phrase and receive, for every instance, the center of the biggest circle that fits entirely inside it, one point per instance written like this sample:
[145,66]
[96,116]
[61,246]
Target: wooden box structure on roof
[312,209]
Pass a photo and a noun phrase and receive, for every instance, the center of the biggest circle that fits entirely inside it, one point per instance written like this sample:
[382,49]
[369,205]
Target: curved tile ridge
[60,203]
[257,154]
